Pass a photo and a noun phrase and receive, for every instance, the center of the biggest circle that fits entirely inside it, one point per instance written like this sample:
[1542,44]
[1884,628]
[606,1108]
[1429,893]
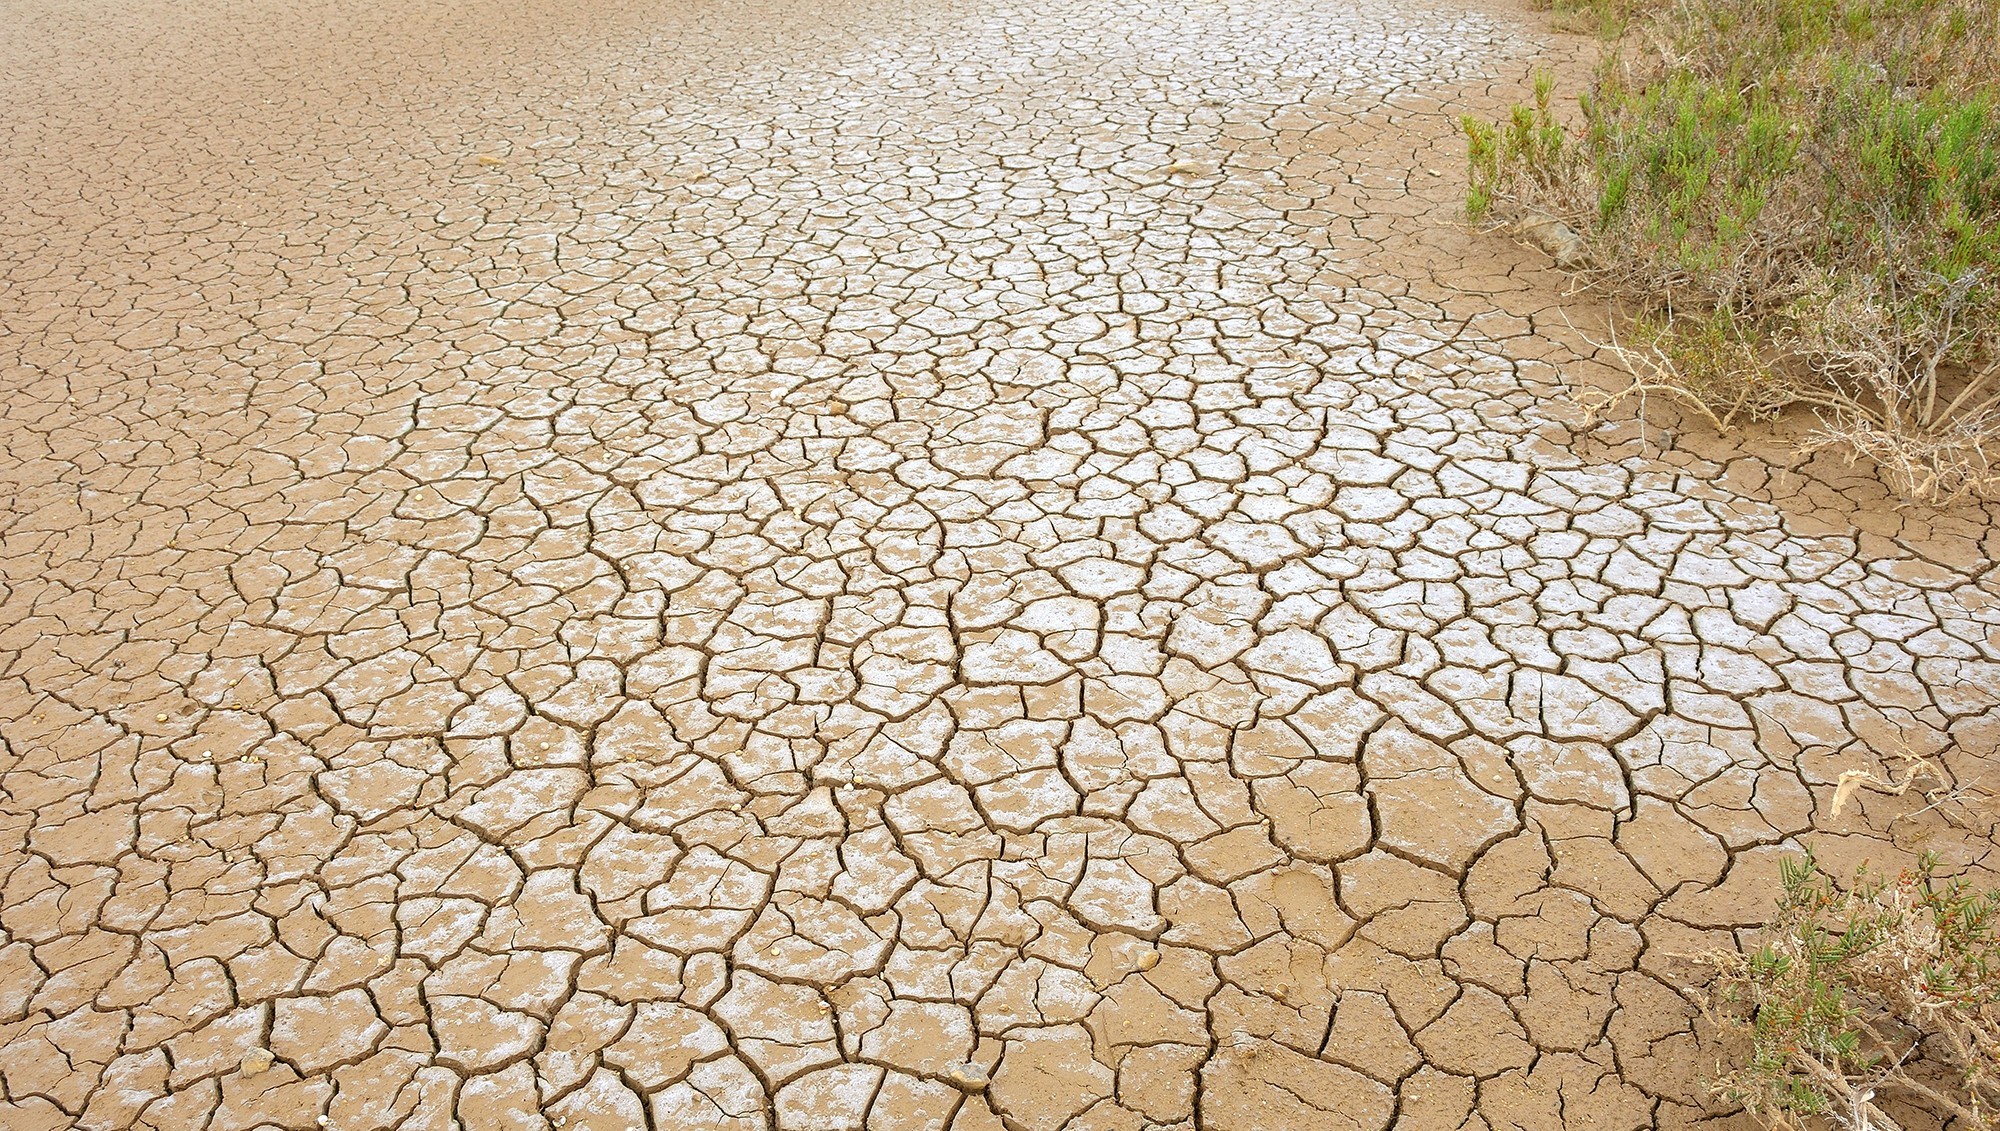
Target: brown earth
[739,564]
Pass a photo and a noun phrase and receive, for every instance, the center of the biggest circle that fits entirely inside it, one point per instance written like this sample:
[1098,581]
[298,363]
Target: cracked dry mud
[780,565]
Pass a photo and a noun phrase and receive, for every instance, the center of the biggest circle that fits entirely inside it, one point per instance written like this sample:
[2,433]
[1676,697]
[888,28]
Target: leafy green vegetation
[1885,992]
[1817,181]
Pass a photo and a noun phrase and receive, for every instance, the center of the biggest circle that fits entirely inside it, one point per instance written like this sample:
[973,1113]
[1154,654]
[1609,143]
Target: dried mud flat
[811,566]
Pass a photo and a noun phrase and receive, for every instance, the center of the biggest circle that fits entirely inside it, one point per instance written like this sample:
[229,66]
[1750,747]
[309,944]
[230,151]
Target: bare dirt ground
[777,565]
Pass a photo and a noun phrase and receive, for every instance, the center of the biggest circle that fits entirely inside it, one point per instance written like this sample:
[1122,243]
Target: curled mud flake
[968,1077]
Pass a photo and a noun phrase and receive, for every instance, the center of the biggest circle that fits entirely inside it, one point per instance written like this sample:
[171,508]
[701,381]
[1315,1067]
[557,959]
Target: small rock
[255,1061]
[1555,237]
[968,1076]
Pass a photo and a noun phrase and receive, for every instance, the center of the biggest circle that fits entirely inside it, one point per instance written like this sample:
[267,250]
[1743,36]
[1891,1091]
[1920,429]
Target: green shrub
[1886,992]
[1821,178]
[1528,146]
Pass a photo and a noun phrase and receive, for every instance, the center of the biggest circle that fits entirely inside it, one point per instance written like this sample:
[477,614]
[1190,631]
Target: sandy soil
[775,565]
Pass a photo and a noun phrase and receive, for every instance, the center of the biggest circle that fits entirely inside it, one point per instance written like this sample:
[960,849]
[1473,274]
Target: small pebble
[255,1061]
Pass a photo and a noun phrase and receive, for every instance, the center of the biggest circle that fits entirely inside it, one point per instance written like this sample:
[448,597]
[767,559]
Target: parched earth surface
[757,564]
